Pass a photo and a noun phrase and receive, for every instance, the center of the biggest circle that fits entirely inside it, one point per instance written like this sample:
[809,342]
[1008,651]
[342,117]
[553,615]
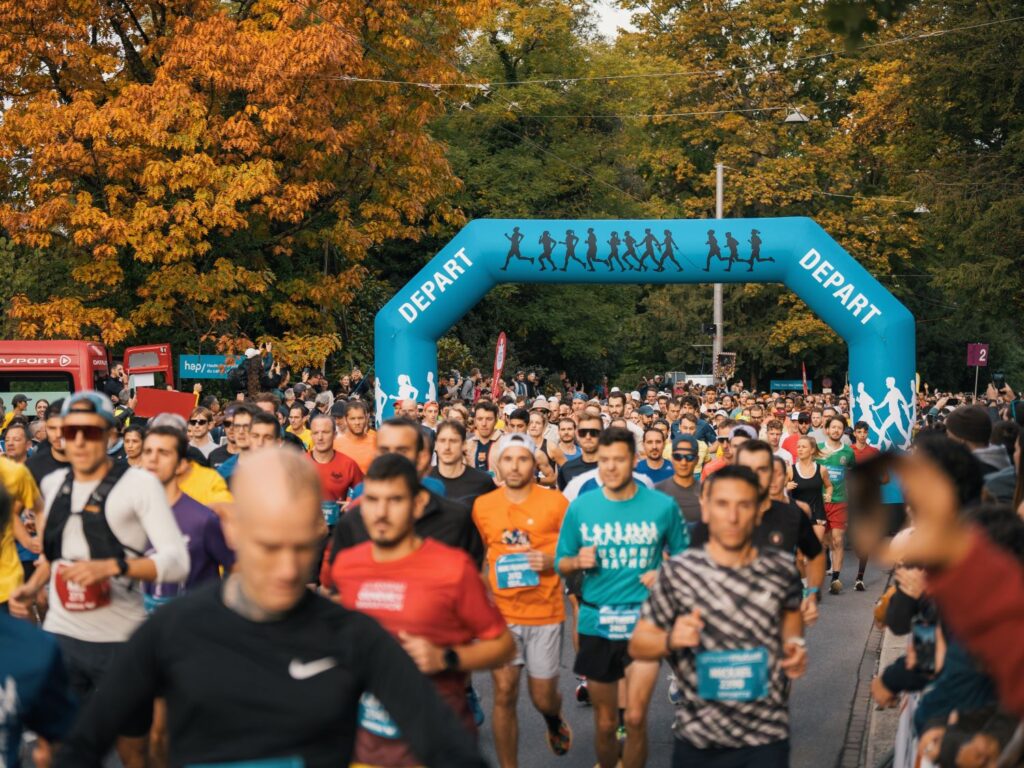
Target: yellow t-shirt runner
[206,486]
[24,494]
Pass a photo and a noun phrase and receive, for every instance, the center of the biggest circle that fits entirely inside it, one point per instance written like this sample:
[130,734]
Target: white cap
[508,409]
[513,440]
[616,389]
[251,352]
[634,395]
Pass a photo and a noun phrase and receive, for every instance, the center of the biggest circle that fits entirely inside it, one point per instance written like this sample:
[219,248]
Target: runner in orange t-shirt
[519,525]
[428,595]
[357,442]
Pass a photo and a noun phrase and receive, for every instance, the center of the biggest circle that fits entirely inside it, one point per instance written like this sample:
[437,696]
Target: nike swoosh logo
[304,670]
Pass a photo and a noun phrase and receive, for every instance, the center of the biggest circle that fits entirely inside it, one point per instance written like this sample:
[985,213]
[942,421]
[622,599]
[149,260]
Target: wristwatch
[122,565]
[796,640]
[451,659]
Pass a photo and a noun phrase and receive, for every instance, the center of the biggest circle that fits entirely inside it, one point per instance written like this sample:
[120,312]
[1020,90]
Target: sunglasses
[589,432]
[198,422]
[722,439]
[91,433]
[684,456]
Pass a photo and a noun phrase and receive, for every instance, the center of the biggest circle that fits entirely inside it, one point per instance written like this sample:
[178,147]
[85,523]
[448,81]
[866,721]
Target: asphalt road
[819,706]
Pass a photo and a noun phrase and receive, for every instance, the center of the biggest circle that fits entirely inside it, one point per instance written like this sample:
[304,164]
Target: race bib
[375,719]
[733,675]
[616,623]
[513,571]
[75,597]
[331,510]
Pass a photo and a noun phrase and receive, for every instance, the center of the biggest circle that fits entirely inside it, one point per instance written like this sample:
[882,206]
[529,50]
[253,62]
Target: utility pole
[716,349]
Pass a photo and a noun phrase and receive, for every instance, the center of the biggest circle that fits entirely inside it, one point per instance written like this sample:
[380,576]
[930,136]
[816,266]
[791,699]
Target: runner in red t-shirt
[428,595]
[861,452]
[803,426]
[338,473]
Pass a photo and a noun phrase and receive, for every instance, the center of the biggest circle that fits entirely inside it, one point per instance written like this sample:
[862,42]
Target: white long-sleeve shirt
[139,516]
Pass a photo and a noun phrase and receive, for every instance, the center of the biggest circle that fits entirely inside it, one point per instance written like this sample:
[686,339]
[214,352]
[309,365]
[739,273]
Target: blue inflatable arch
[877,328]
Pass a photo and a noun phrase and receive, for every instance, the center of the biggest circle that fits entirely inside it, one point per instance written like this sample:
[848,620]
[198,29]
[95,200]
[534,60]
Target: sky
[610,18]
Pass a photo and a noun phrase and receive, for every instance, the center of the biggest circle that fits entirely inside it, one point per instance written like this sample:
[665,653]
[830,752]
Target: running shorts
[87,663]
[835,513]
[602,660]
[538,648]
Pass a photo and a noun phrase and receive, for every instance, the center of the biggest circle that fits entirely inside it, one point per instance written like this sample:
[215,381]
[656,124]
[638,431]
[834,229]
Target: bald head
[274,478]
[276,526]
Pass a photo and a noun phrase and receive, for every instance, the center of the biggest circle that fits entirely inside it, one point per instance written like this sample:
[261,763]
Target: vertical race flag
[499,363]
[803,367]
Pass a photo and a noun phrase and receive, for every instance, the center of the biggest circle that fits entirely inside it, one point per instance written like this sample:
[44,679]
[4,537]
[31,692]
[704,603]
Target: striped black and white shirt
[741,609]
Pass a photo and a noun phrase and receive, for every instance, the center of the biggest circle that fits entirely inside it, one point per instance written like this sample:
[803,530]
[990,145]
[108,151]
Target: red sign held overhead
[977,354]
[499,360]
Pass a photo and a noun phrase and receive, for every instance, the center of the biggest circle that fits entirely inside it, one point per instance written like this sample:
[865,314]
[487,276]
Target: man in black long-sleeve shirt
[260,668]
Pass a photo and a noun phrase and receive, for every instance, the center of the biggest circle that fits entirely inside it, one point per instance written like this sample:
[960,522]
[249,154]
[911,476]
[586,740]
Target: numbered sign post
[977,355]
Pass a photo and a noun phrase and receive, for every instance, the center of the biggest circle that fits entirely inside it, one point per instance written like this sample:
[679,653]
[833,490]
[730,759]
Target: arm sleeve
[794,589]
[436,736]
[678,534]
[897,678]
[806,542]
[900,612]
[982,603]
[170,554]
[569,541]
[52,712]
[216,547]
[662,605]
[475,608]
[131,683]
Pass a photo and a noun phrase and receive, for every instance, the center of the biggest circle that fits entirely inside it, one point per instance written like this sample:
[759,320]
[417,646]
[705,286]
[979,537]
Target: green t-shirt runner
[836,462]
[630,537]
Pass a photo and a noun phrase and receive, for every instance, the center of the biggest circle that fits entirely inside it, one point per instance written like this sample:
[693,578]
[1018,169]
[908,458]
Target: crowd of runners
[273,581]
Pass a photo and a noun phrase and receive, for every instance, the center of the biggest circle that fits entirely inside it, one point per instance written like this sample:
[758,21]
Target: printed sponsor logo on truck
[58,361]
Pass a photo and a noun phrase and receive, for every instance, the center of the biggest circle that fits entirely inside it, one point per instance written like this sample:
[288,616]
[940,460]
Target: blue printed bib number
[617,622]
[514,571]
[732,675]
[331,510]
[375,719]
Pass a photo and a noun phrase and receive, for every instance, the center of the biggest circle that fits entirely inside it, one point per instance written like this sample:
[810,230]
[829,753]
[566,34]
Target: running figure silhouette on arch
[570,250]
[668,252]
[733,245]
[755,249]
[631,242]
[592,250]
[613,253]
[714,252]
[649,241]
[548,243]
[513,250]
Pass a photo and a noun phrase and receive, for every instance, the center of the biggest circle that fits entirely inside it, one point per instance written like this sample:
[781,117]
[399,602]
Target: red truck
[51,369]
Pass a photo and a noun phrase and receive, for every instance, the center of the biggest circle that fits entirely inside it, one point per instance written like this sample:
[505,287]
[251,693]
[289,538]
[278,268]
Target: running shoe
[620,734]
[561,741]
[858,586]
[473,700]
[582,694]
[836,587]
[675,696]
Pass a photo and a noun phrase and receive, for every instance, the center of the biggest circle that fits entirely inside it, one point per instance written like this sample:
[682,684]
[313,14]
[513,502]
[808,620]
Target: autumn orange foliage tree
[210,169]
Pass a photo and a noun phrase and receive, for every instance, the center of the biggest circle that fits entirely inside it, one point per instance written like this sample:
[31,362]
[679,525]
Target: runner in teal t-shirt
[836,458]
[616,536]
